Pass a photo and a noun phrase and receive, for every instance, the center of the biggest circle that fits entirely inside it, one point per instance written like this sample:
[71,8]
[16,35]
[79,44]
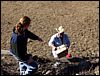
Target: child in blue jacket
[18,42]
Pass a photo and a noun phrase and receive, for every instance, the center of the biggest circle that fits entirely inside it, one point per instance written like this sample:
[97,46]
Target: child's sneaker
[56,64]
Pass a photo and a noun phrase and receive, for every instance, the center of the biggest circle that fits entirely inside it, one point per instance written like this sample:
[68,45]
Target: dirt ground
[79,18]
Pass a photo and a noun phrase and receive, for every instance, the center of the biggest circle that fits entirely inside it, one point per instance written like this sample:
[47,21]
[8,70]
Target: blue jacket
[18,44]
[57,41]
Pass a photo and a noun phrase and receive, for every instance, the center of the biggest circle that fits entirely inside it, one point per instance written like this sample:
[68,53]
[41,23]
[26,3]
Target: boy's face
[61,34]
[26,27]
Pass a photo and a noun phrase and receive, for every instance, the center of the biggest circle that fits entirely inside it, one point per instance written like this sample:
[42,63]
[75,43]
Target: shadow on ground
[71,66]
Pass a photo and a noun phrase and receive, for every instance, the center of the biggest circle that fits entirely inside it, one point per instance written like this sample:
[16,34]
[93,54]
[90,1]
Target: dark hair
[25,20]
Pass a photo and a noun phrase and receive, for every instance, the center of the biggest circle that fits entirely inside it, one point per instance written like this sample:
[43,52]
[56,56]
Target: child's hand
[40,39]
[30,60]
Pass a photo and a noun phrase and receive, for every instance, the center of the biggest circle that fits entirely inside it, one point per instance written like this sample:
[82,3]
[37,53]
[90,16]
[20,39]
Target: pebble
[77,74]
[48,72]
[97,60]
[2,57]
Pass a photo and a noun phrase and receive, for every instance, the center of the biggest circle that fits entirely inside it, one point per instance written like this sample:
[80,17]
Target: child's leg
[55,55]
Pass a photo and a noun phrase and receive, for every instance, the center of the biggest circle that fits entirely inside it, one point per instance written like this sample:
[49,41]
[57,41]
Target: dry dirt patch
[80,19]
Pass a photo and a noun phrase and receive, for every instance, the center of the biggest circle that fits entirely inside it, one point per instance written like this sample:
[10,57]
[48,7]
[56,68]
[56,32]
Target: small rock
[2,57]
[97,72]
[48,72]
[9,23]
[97,60]
[77,74]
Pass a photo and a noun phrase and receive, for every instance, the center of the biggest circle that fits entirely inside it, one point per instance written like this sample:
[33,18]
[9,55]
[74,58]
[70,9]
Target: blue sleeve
[13,45]
[67,41]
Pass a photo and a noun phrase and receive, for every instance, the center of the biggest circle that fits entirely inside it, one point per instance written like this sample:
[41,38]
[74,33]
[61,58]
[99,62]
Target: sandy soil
[80,19]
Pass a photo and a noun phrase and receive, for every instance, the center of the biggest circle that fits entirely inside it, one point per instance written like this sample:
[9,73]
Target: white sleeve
[67,40]
[51,41]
